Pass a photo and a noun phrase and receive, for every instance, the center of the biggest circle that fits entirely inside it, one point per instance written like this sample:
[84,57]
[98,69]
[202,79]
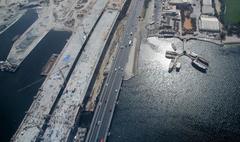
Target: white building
[209,24]
[2,2]
[208,10]
[207,7]
[207,2]
[180,1]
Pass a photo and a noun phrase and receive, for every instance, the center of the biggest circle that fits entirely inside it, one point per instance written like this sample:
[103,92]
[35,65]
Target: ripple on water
[186,106]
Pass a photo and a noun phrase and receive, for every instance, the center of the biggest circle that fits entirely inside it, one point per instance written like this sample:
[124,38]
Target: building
[207,7]
[207,10]
[175,2]
[207,2]
[209,24]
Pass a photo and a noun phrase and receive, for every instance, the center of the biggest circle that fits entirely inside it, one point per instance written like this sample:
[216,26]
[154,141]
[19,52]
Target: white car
[99,122]
[130,42]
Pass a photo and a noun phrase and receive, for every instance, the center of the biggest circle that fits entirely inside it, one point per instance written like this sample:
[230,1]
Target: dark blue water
[14,101]
[189,106]
[17,29]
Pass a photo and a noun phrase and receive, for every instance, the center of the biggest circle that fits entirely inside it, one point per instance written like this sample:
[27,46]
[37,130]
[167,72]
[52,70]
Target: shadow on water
[17,28]
[14,103]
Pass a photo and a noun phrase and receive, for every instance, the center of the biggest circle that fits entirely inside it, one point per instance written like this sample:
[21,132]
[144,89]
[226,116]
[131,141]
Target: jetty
[197,61]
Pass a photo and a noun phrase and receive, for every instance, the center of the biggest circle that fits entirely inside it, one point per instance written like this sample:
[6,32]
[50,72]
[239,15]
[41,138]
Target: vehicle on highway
[99,122]
[101,140]
[130,42]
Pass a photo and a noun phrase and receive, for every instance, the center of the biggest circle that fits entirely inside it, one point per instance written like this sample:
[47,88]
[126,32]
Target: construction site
[63,95]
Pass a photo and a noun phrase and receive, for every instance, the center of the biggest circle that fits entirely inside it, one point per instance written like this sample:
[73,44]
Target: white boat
[197,64]
[178,66]
[171,66]
[174,47]
[171,54]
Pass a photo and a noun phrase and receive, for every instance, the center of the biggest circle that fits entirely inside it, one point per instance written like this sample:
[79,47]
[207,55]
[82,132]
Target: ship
[178,66]
[174,47]
[199,65]
[203,61]
[193,55]
[171,66]
[171,54]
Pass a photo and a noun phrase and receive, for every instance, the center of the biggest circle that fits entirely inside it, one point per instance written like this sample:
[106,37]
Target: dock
[65,114]
[41,107]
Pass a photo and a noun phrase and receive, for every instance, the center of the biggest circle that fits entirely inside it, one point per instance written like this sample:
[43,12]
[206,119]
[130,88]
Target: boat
[171,54]
[199,65]
[171,66]
[204,61]
[178,66]
[192,54]
[174,47]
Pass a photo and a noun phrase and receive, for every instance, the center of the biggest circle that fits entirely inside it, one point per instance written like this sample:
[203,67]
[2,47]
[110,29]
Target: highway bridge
[100,125]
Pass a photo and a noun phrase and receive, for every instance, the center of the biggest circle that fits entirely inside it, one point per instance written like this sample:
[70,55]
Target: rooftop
[207,2]
[180,1]
[209,23]
[206,9]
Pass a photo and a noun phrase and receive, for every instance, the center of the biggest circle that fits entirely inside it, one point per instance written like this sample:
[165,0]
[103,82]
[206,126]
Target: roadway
[100,125]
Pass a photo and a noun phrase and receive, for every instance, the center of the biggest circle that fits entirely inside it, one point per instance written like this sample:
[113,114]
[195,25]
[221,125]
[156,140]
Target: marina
[197,61]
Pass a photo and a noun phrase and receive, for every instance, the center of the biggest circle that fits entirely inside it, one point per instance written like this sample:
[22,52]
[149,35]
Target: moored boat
[199,65]
[171,66]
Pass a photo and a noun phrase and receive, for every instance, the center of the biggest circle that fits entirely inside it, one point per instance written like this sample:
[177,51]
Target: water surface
[188,106]
[14,100]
